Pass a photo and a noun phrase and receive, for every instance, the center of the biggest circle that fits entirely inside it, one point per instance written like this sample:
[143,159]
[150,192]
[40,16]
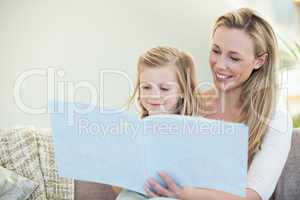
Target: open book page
[95,144]
[112,147]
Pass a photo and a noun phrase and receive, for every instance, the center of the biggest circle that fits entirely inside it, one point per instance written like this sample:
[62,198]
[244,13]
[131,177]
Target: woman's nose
[221,63]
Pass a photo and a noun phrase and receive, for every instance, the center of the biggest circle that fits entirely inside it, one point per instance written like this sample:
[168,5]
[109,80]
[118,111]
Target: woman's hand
[154,189]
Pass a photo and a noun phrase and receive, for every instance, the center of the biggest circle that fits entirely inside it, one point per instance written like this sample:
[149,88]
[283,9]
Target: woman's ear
[261,60]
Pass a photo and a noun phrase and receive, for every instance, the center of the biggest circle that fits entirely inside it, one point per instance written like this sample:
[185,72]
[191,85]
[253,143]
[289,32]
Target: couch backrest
[288,187]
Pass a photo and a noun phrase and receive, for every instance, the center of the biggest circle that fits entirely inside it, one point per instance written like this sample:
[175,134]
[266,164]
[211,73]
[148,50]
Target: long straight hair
[259,91]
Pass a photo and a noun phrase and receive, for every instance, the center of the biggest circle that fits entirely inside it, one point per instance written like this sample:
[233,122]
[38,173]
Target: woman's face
[232,58]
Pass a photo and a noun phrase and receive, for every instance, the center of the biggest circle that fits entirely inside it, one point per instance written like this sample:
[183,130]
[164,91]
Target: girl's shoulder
[207,92]
[207,100]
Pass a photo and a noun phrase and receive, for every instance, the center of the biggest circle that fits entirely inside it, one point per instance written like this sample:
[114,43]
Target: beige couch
[288,187]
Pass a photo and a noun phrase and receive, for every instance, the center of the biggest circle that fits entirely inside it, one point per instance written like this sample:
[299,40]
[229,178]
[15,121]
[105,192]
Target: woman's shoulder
[280,126]
[282,120]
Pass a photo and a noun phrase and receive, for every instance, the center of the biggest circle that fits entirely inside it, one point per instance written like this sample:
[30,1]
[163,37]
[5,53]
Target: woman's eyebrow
[230,52]
[234,52]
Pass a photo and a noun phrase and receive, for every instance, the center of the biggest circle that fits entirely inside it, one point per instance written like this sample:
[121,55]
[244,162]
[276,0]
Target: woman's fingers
[160,190]
[172,185]
[149,192]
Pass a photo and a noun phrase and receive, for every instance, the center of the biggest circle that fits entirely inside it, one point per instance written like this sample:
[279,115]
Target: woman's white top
[268,162]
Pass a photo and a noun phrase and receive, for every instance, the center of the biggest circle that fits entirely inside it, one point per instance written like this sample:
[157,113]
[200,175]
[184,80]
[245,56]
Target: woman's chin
[224,87]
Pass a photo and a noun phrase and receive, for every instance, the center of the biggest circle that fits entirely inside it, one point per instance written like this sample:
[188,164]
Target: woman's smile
[223,77]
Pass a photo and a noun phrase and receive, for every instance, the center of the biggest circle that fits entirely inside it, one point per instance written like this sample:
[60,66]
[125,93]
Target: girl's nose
[155,92]
[154,96]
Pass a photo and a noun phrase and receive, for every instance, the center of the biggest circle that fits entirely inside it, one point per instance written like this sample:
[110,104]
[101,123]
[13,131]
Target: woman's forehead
[233,40]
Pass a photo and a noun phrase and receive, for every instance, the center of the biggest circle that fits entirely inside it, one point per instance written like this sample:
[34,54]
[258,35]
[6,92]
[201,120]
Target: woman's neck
[228,105]
[229,100]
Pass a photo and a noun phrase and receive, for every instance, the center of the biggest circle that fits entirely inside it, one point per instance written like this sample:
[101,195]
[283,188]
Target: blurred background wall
[48,46]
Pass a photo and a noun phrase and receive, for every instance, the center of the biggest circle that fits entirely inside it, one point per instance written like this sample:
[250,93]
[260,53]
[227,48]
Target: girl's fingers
[159,189]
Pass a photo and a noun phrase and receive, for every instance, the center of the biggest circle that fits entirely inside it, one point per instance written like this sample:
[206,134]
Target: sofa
[288,187]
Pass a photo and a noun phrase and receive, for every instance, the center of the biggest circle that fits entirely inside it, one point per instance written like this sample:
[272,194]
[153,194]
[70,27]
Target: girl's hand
[155,189]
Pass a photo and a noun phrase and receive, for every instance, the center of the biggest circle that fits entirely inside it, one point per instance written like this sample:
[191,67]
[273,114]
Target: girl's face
[232,58]
[159,89]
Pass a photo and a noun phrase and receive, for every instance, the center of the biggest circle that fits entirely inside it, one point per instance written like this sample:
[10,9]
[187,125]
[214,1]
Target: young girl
[166,85]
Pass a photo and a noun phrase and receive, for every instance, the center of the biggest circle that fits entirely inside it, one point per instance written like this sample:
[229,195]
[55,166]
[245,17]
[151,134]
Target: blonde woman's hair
[186,74]
[259,91]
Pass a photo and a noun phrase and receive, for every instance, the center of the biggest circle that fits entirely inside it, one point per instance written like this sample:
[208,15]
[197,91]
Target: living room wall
[79,39]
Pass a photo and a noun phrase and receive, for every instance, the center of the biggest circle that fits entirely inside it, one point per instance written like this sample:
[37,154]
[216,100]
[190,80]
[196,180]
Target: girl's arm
[116,189]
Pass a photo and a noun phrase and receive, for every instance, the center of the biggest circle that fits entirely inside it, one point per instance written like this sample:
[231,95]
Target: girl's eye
[164,89]
[145,87]
[215,51]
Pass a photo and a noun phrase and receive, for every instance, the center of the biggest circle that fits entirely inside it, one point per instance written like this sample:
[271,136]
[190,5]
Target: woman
[243,58]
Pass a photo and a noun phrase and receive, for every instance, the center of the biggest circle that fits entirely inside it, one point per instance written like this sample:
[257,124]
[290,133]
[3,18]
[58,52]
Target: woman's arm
[189,193]
[269,161]
[207,194]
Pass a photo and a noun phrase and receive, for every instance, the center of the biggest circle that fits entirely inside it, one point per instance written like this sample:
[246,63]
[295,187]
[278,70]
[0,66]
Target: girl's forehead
[159,72]
[159,75]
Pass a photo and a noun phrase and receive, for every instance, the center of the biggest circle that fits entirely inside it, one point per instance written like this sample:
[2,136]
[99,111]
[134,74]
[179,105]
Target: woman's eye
[235,59]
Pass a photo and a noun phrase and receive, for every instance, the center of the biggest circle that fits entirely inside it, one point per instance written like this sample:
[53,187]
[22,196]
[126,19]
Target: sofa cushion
[93,191]
[14,186]
[289,181]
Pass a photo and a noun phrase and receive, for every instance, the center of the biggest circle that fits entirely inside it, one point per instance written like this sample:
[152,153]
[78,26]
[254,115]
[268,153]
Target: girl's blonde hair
[186,74]
[259,91]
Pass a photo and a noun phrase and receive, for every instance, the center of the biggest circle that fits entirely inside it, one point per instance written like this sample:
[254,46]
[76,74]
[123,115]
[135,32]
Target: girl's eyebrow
[144,82]
[164,84]
[215,45]
[168,84]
